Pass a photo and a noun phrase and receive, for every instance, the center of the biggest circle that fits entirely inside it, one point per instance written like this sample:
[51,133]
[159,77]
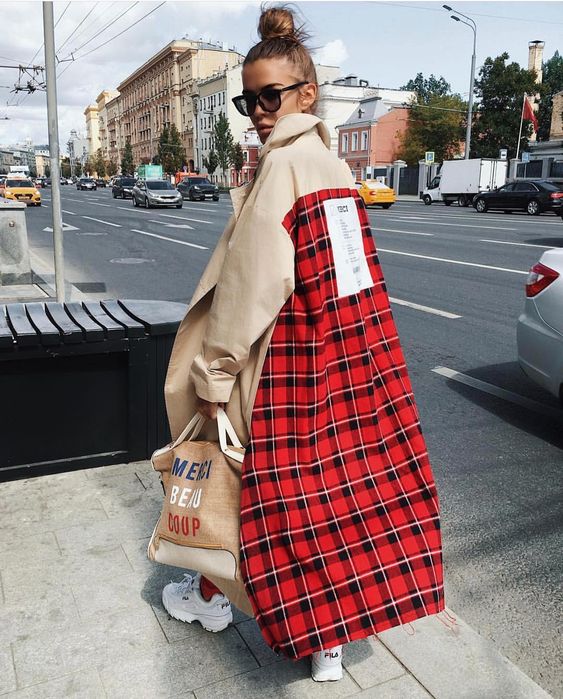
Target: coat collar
[286,130]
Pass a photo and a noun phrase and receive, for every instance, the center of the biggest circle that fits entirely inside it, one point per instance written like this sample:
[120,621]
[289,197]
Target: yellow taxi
[375,193]
[20,189]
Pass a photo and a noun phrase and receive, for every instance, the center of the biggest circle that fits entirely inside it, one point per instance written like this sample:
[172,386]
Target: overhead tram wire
[25,95]
[113,37]
[103,29]
[78,26]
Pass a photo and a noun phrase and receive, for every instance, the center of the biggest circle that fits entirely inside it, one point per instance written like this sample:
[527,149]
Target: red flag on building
[529,114]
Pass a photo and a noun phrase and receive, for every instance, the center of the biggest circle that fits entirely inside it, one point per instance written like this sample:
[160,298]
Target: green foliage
[211,163]
[171,154]
[436,121]
[65,168]
[99,163]
[127,164]
[223,142]
[237,159]
[111,168]
[552,82]
[77,168]
[500,90]
[426,88]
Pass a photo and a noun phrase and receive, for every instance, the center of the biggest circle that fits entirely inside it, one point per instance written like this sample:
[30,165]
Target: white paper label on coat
[350,263]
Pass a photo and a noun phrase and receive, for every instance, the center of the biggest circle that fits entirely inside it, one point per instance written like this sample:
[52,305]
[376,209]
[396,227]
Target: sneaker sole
[209,623]
[332,674]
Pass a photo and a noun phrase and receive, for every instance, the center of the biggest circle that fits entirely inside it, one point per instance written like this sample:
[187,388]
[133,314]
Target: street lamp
[471,24]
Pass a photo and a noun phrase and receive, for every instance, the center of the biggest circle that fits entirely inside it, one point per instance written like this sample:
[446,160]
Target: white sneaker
[184,602]
[326,665]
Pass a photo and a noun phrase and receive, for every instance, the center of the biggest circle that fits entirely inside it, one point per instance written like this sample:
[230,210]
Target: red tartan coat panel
[340,528]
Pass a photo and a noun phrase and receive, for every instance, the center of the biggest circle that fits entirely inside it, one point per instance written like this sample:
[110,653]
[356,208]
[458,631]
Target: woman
[291,330]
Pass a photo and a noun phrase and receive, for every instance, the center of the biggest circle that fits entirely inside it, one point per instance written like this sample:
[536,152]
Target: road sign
[525,157]
[503,154]
[429,157]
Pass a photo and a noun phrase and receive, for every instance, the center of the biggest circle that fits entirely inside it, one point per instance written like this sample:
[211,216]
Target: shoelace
[186,585]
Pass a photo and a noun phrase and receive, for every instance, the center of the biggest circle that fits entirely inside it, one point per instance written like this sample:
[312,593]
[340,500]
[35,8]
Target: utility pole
[53,124]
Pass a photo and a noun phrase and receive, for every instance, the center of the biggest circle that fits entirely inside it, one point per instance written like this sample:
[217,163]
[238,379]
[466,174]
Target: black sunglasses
[269,99]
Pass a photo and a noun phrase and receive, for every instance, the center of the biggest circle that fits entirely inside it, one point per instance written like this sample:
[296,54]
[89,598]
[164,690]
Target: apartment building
[370,137]
[115,142]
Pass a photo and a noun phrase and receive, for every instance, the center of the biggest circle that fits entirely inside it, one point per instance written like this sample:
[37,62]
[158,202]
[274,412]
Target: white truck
[461,180]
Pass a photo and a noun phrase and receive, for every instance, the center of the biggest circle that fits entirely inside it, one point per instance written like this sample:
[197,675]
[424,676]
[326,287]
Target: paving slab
[177,668]
[250,632]
[7,670]
[33,614]
[458,663]
[81,685]
[26,551]
[80,646]
[370,663]
[105,532]
[405,687]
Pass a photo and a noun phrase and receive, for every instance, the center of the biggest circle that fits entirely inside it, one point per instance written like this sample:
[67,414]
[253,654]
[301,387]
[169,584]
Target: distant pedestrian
[290,328]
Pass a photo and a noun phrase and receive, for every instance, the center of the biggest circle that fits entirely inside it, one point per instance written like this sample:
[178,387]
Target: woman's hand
[207,409]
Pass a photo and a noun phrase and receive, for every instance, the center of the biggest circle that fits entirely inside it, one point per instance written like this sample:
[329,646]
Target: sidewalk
[81,616]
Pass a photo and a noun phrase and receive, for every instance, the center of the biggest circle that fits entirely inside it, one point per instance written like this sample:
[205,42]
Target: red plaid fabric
[340,529]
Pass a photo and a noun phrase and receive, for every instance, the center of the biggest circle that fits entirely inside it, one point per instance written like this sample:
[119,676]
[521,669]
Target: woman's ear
[307,96]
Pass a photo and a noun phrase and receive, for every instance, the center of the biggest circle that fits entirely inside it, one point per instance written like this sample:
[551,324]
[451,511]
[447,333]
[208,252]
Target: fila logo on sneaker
[331,654]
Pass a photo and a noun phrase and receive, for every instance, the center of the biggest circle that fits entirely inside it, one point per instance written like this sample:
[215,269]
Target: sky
[386,42]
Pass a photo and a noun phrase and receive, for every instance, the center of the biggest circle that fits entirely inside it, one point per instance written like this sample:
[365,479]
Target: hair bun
[278,23]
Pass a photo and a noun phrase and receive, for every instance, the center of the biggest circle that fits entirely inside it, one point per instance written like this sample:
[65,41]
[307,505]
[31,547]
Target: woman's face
[277,73]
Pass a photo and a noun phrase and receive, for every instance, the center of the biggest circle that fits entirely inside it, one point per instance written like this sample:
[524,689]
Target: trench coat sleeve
[256,279]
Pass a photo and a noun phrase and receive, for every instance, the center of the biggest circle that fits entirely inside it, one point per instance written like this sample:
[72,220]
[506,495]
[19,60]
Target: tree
[552,82]
[223,142]
[89,167]
[127,165]
[47,171]
[77,168]
[111,168]
[237,159]
[65,167]
[435,123]
[500,90]
[171,154]
[211,163]
[99,163]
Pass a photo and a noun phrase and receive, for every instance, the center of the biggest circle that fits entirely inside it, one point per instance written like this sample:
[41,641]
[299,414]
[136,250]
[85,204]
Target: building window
[364,140]
[344,142]
[355,141]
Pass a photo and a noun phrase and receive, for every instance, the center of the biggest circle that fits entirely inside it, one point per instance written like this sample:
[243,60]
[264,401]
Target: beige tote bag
[199,527]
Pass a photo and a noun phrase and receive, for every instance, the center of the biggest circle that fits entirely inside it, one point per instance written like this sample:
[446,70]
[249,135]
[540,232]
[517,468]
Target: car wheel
[178,206]
[463,200]
[448,202]
[385,206]
[135,202]
[147,205]
[533,208]
[481,205]
[427,199]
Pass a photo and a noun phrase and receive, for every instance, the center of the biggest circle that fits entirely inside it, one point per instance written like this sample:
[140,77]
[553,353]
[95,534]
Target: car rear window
[552,186]
[196,180]
[19,183]
[159,185]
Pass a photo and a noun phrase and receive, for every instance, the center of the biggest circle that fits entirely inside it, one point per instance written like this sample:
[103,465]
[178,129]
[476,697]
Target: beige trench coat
[222,342]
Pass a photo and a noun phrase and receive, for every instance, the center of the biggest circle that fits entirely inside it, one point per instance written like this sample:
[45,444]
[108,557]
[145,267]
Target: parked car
[193,188]
[86,183]
[47,182]
[122,187]
[21,189]
[63,180]
[150,193]
[539,333]
[375,193]
[532,196]
[101,182]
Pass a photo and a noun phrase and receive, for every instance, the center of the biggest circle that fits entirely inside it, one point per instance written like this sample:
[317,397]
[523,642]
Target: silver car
[149,193]
[540,328]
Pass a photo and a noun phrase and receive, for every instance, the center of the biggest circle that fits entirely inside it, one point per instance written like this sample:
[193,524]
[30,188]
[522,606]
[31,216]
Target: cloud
[332,54]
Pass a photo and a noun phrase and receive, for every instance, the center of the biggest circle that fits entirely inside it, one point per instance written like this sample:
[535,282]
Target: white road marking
[464,225]
[96,203]
[426,309]
[376,228]
[99,220]
[498,392]
[171,240]
[81,201]
[185,226]
[68,212]
[453,262]
[65,227]
[185,218]
[524,245]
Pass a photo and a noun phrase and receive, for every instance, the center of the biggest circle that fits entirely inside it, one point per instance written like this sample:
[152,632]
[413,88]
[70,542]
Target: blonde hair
[281,38]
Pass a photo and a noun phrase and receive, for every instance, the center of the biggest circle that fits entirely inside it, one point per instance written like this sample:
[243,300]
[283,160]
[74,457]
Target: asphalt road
[457,281]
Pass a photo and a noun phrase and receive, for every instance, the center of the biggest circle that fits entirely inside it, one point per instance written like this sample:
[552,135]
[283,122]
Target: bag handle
[225,428]
[194,427]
